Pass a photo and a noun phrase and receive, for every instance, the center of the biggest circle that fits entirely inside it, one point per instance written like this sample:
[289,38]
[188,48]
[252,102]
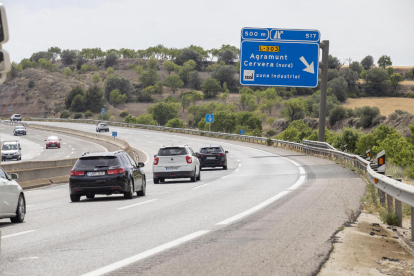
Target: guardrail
[394,189]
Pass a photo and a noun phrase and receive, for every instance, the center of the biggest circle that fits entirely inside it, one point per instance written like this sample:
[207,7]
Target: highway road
[273,212]
[34,146]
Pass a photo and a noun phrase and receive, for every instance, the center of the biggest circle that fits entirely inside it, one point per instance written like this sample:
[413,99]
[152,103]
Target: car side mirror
[20,148]
[226,151]
[141,165]
[14,176]
[45,140]
[155,155]
[197,154]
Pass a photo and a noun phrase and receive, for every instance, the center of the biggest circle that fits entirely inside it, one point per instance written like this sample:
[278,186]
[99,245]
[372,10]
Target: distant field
[385,105]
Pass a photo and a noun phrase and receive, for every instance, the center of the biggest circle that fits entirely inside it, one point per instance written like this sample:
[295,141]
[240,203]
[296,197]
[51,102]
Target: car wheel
[199,175]
[20,211]
[224,167]
[144,188]
[156,180]
[193,179]
[90,196]
[75,198]
[162,180]
[130,193]
[20,157]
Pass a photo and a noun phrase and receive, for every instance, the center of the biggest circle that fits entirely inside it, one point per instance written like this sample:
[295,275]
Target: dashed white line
[145,254]
[254,209]
[133,205]
[28,258]
[17,234]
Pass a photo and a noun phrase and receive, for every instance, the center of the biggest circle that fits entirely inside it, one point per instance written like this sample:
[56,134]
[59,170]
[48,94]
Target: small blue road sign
[241,131]
[114,133]
[103,111]
[210,118]
[10,109]
[279,57]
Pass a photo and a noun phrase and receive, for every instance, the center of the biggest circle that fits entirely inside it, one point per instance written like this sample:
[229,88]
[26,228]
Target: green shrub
[348,137]
[270,133]
[88,114]
[388,217]
[269,142]
[337,114]
[123,114]
[175,123]
[64,115]
[31,83]
[78,116]
[367,115]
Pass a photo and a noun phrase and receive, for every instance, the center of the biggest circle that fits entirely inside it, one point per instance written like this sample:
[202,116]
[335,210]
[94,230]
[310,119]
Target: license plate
[211,158]
[171,168]
[95,173]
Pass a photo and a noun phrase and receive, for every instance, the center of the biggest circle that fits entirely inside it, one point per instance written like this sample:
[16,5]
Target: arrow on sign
[309,68]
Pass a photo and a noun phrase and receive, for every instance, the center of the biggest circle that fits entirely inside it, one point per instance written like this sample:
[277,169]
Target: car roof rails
[85,153]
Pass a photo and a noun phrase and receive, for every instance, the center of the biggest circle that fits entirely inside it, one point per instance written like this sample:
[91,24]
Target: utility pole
[324,83]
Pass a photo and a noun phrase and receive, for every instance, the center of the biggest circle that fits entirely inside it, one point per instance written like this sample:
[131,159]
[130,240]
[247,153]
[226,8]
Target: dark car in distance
[212,156]
[106,173]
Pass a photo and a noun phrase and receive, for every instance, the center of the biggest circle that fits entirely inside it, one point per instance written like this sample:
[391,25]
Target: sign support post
[324,83]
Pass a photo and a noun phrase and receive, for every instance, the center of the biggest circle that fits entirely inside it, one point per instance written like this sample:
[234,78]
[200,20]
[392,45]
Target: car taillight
[117,171]
[156,159]
[77,173]
[201,155]
[189,159]
[222,154]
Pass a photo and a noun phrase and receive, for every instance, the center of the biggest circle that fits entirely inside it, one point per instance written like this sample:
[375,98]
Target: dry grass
[385,105]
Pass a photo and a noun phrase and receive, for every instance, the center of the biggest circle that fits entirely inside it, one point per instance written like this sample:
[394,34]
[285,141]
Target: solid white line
[146,154]
[133,205]
[254,209]
[238,160]
[17,234]
[29,206]
[301,170]
[237,170]
[200,186]
[145,254]
[29,258]
[298,183]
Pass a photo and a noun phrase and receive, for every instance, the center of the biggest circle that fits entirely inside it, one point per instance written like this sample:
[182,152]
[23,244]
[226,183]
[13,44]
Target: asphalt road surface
[273,212]
[34,146]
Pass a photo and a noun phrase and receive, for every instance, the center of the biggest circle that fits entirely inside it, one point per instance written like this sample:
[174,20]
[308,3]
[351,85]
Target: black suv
[212,156]
[106,173]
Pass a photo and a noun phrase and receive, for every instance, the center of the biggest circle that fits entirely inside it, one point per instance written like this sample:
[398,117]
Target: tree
[337,114]
[116,97]
[332,73]
[14,70]
[348,137]
[334,62]
[269,104]
[110,71]
[149,78]
[174,82]
[45,64]
[96,78]
[395,79]
[54,52]
[224,96]
[67,56]
[139,69]
[175,123]
[408,75]
[84,68]
[184,71]
[162,112]
[36,56]
[145,119]
[245,99]
[368,114]
[169,66]
[384,61]
[111,60]
[367,62]
[68,72]
[26,63]
[94,99]
[377,80]
[228,55]
[225,74]
[338,87]
[123,85]
[152,63]
[188,54]
[356,67]
[194,80]
[295,109]
[72,94]
[210,87]
[78,103]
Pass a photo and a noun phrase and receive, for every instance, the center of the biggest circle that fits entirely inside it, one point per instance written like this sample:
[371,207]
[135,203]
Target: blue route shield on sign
[103,111]
[279,57]
[114,134]
[10,109]
[241,131]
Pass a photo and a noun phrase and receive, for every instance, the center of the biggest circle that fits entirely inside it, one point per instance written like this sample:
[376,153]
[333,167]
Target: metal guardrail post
[412,223]
[398,208]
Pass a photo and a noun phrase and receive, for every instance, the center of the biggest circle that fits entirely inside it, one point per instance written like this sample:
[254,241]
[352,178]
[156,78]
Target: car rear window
[17,115]
[19,127]
[52,138]
[172,151]
[97,161]
[210,150]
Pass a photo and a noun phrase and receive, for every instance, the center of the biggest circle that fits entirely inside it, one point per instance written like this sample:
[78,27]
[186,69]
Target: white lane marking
[146,154]
[145,254]
[200,186]
[238,160]
[240,165]
[231,156]
[67,156]
[225,176]
[150,180]
[64,143]
[28,258]
[237,170]
[253,209]
[27,206]
[298,183]
[133,205]
[301,170]
[17,234]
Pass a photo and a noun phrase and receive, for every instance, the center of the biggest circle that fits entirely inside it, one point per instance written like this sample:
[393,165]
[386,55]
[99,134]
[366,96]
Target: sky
[354,28]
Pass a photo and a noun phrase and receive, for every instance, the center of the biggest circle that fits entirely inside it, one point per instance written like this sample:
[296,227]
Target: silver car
[19,130]
[12,200]
[11,150]
[102,127]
